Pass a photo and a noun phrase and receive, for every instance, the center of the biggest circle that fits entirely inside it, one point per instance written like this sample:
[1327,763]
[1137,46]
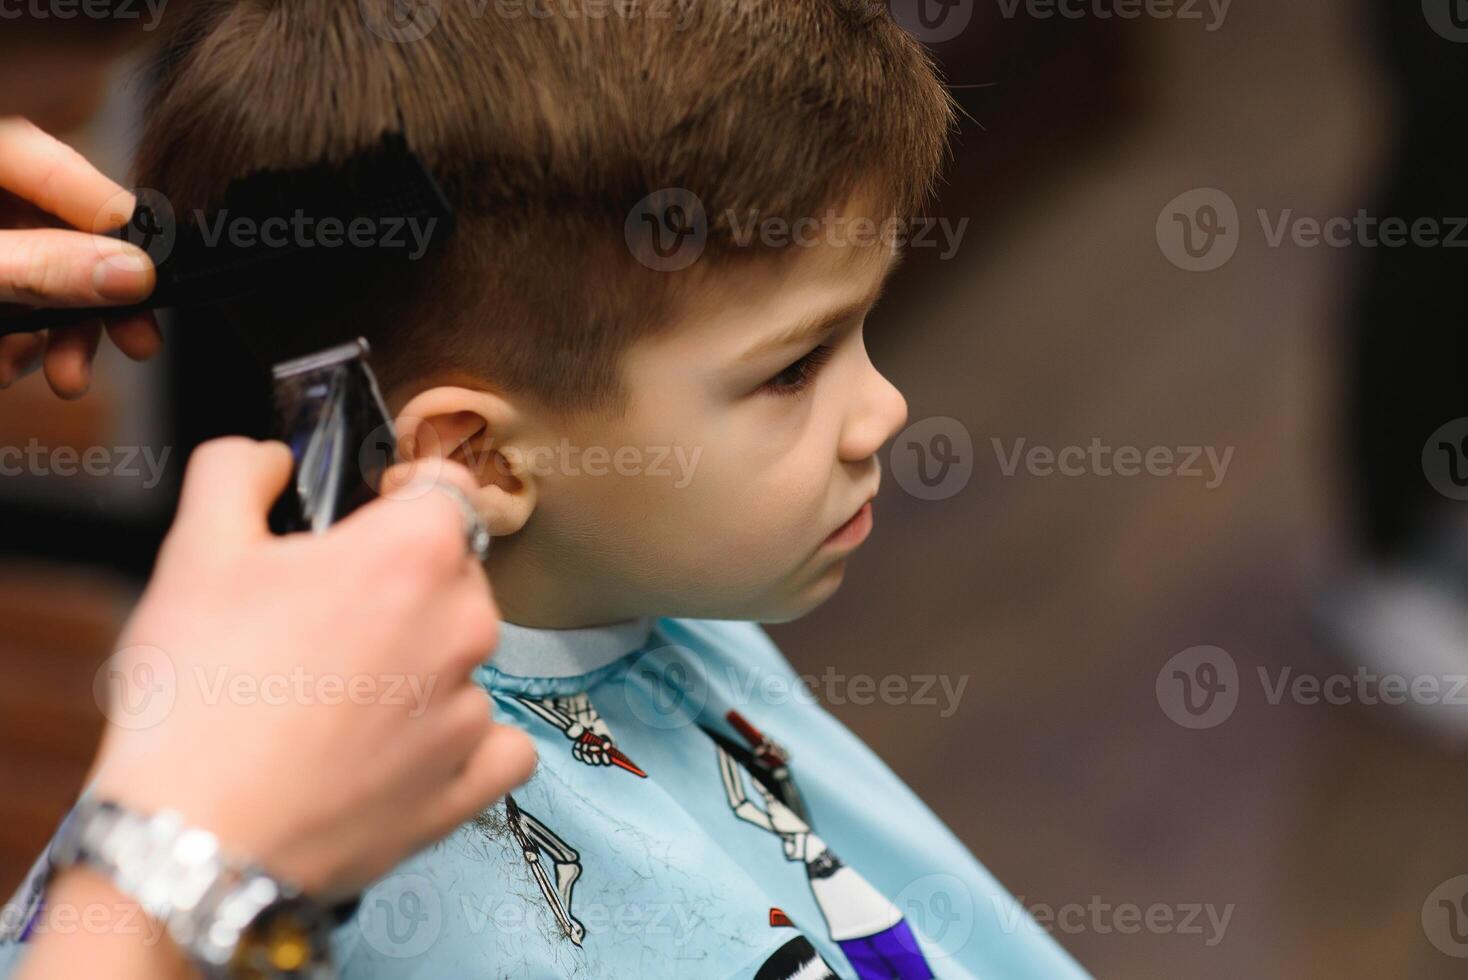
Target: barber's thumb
[228,490]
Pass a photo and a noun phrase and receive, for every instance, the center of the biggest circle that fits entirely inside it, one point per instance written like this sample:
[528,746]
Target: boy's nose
[879,414]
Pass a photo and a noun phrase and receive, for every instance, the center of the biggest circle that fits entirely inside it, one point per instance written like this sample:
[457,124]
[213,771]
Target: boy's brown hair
[546,122]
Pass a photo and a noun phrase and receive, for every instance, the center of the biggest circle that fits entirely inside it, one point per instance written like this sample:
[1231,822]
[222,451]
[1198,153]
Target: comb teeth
[386,181]
[387,185]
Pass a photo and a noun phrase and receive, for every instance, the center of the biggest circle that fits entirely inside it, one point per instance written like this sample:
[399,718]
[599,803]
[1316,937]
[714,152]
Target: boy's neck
[529,594]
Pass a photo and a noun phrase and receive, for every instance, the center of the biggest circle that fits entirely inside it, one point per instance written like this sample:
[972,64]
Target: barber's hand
[316,709]
[54,207]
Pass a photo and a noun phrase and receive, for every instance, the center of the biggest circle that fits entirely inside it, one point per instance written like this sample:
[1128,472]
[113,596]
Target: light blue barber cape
[693,815]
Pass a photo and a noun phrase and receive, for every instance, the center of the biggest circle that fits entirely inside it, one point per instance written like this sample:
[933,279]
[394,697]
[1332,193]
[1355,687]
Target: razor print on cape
[577,719]
[869,929]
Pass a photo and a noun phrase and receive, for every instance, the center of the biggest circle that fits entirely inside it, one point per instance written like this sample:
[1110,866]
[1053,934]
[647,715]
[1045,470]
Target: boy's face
[750,439]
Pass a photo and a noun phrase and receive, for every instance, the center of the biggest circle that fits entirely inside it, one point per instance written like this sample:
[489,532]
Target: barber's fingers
[228,490]
[414,522]
[462,625]
[56,267]
[135,334]
[43,170]
[503,759]
[68,361]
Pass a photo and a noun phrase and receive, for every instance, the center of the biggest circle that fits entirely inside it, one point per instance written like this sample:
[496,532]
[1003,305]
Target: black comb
[201,260]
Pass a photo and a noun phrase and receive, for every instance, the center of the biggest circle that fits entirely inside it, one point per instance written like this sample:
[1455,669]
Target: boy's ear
[473,428]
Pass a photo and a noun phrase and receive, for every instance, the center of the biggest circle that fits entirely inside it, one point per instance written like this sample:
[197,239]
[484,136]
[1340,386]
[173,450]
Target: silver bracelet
[225,915]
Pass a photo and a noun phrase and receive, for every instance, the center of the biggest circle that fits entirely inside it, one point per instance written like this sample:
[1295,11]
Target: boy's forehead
[769,296]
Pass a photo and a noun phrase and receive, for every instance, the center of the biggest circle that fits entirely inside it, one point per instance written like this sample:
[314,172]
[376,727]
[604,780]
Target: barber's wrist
[237,822]
[229,917]
[81,903]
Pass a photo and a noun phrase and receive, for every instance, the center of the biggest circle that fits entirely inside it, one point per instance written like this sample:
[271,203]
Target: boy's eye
[795,378]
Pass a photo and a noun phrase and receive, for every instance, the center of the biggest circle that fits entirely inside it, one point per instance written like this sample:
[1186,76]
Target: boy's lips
[854,531]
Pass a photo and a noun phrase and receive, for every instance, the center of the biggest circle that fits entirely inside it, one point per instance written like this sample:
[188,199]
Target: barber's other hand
[308,698]
[54,209]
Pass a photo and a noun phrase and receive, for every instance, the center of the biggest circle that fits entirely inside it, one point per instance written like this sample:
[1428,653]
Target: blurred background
[1129,672]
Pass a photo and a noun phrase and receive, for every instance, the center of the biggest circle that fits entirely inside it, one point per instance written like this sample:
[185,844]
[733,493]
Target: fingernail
[126,276]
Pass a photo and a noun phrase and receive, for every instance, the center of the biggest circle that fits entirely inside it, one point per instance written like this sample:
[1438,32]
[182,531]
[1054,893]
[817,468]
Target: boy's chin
[807,598]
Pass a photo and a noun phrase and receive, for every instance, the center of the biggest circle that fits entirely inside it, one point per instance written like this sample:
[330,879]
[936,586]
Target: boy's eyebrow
[812,327]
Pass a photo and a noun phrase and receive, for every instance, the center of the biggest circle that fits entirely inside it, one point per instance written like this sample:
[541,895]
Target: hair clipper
[330,412]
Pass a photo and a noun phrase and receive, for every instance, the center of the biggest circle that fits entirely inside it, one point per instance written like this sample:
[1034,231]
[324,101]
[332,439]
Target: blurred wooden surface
[59,625]
[1060,599]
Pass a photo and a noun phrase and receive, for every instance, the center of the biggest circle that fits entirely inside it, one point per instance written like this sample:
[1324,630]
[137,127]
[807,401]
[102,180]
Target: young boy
[645,337]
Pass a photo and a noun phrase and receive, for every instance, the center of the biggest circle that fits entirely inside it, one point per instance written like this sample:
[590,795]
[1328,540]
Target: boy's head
[645,334]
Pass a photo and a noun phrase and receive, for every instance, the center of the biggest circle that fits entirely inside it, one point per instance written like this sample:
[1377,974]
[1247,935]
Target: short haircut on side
[545,131]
